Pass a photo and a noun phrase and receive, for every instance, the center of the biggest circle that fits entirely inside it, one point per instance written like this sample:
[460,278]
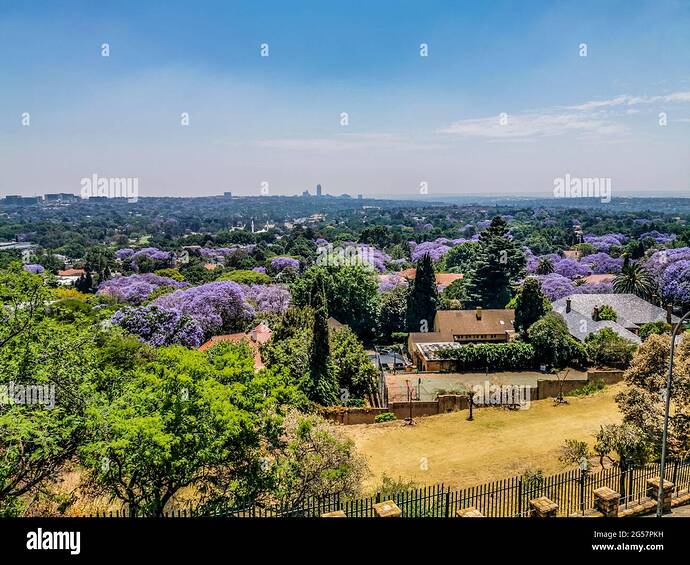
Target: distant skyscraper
[318,190]
[227,194]
[359,197]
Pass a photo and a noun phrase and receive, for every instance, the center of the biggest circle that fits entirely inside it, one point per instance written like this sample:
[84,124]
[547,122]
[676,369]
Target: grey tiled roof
[632,312]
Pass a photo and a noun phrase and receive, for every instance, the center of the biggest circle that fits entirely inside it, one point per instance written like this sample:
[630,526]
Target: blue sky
[411,119]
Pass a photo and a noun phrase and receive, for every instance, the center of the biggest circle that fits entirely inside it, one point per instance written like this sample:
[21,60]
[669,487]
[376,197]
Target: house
[572,254]
[459,326]
[599,279]
[69,277]
[631,310]
[259,335]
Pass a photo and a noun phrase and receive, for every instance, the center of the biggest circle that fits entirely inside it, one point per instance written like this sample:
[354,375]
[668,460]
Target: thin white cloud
[596,118]
[532,125]
[342,142]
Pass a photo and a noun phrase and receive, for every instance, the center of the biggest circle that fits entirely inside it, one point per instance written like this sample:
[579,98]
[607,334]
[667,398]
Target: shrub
[604,312]
[496,356]
[590,388]
[245,277]
[654,328]
[385,417]
[606,348]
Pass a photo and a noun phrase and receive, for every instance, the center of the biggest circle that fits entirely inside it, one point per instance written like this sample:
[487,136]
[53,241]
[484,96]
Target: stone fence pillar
[469,512]
[334,514]
[387,509]
[653,492]
[606,501]
[542,507]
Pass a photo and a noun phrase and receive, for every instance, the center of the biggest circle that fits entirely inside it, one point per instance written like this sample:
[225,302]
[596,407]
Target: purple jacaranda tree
[159,326]
[607,241]
[663,259]
[391,281]
[33,268]
[659,238]
[602,263]
[555,286]
[261,270]
[216,307]
[279,264]
[571,269]
[435,250]
[675,283]
[150,259]
[124,254]
[594,288]
[273,298]
[135,289]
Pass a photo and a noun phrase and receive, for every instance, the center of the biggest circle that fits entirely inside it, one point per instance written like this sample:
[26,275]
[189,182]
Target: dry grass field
[499,443]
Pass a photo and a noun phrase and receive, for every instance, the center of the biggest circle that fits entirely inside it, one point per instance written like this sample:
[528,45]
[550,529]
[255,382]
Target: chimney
[479,312]
[568,305]
[669,313]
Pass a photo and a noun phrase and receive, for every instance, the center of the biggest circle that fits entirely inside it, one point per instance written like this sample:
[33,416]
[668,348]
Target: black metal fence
[573,491]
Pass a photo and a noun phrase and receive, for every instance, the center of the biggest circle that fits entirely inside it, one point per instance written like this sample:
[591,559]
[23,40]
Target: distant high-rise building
[305,193]
[359,197]
[227,194]
[318,190]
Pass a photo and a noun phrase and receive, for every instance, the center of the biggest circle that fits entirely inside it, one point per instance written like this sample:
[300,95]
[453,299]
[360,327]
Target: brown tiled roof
[71,273]
[463,322]
[596,279]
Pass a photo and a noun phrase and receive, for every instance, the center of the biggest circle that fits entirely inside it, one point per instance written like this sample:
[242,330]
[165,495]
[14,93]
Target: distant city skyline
[389,100]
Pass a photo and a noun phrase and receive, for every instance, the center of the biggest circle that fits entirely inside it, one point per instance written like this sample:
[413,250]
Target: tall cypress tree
[422,300]
[500,264]
[322,386]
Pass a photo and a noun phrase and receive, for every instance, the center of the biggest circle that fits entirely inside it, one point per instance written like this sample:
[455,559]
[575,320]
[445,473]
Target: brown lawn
[498,444]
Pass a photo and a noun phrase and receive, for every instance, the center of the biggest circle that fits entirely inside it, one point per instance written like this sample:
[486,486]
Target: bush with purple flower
[571,269]
[33,268]
[658,237]
[606,242]
[434,249]
[602,263]
[135,289]
[216,306]
[151,259]
[555,286]
[280,264]
[159,326]
[273,298]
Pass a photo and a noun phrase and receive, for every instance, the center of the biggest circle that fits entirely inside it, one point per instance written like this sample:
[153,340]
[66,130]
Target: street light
[662,469]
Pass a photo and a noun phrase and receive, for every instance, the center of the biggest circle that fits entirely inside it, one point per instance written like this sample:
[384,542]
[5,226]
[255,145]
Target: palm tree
[545,266]
[634,279]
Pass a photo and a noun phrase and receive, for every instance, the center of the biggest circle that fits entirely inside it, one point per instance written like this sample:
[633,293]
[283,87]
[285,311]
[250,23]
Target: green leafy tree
[422,300]
[530,305]
[393,317]
[553,343]
[461,258]
[604,312]
[38,438]
[606,348]
[187,420]
[352,369]
[500,264]
[352,295]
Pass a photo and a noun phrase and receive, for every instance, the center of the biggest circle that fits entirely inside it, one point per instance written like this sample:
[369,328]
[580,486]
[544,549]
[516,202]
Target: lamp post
[662,468]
